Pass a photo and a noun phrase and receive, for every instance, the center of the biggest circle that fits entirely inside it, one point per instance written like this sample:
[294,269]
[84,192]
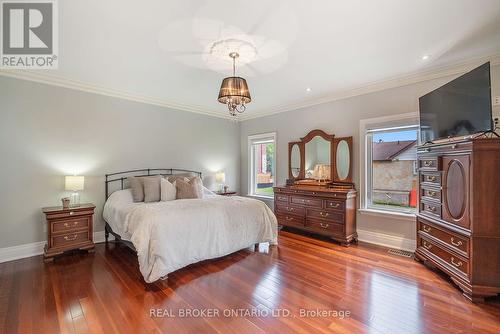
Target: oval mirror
[295,160]
[317,159]
[343,160]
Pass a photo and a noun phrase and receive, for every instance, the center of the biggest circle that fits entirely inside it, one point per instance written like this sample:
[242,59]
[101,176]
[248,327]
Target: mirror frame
[308,138]
[302,160]
[336,142]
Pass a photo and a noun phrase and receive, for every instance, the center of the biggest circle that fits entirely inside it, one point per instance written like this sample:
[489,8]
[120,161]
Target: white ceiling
[159,49]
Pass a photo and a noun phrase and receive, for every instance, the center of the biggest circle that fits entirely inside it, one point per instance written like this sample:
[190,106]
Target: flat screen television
[462,107]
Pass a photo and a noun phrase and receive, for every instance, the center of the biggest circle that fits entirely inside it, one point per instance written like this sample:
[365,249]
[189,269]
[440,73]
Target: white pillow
[168,190]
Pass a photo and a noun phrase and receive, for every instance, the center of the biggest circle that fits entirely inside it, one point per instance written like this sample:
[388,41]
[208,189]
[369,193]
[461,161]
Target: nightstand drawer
[69,214]
[70,225]
[70,239]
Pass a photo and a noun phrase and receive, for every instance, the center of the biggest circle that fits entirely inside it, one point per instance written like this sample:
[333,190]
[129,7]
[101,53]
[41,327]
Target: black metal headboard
[122,176]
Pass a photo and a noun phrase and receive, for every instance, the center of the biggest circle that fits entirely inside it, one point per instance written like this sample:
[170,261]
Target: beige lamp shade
[220,177]
[74,183]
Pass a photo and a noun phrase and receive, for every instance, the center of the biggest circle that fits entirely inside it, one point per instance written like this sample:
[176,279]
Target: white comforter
[172,235]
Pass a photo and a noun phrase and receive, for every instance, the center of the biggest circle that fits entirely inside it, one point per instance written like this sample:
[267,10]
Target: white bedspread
[172,235]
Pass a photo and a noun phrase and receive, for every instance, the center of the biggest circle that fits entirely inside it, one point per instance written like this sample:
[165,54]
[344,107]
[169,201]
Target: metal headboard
[122,176]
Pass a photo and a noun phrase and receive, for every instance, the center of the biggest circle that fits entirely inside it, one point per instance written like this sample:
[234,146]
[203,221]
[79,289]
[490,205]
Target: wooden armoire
[458,222]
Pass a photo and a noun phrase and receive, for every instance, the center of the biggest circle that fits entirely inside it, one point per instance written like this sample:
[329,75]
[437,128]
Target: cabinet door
[456,181]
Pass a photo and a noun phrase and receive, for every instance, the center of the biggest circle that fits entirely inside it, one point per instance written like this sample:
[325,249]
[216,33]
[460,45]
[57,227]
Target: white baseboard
[387,240]
[36,248]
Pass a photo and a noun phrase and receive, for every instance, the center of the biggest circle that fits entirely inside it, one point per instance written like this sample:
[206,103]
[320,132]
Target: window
[262,169]
[391,178]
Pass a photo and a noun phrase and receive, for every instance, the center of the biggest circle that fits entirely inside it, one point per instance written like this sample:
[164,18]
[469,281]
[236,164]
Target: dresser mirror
[295,158]
[318,159]
[343,159]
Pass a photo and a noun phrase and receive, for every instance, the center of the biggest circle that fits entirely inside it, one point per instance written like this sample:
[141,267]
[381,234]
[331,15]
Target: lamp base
[75,199]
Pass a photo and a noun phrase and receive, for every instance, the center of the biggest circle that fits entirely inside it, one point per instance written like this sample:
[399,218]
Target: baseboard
[36,248]
[387,240]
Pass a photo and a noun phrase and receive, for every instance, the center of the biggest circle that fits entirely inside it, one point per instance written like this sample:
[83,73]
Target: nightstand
[68,229]
[226,193]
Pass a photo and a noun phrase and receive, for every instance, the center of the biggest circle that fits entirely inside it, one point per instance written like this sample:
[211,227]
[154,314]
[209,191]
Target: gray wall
[342,118]
[47,132]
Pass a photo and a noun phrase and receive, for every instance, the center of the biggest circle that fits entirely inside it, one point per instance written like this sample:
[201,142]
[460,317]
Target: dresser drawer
[430,178]
[429,163]
[70,214]
[335,205]
[430,209]
[70,225]
[290,209]
[328,215]
[430,193]
[458,243]
[324,227]
[312,202]
[281,198]
[69,239]
[290,220]
[457,263]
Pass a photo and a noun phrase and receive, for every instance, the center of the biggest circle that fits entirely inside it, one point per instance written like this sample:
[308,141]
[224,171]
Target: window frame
[252,139]
[408,120]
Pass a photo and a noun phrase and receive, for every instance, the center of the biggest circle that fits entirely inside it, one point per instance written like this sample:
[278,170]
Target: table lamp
[220,178]
[74,184]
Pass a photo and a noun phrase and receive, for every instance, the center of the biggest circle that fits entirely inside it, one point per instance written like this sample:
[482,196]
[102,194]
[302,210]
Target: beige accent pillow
[168,190]
[152,186]
[189,189]
[173,178]
[136,185]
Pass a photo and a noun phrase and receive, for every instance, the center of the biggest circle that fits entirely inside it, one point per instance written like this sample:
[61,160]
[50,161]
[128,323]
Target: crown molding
[398,81]
[394,82]
[50,79]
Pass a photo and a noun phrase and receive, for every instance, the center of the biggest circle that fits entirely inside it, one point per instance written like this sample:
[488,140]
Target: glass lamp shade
[234,90]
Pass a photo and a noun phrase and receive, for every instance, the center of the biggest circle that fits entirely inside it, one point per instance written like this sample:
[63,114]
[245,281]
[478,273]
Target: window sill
[262,197]
[389,214]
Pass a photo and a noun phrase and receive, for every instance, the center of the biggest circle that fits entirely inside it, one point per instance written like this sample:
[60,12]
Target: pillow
[152,186]
[136,184]
[168,190]
[173,178]
[191,189]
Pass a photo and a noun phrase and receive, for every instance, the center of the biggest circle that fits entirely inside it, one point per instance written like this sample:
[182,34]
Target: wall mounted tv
[460,108]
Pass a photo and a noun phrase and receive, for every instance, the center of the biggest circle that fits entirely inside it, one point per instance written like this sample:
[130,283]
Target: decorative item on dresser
[68,229]
[458,227]
[319,196]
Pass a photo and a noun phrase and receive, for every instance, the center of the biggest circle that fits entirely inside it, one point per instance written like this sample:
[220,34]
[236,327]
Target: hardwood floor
[104,293]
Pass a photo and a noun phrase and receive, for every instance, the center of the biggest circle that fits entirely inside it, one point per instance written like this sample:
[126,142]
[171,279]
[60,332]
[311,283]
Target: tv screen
[461,107]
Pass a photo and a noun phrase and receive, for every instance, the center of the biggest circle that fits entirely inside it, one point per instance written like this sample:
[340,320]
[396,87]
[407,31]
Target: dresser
[458,222]
[68,229]
[318,209]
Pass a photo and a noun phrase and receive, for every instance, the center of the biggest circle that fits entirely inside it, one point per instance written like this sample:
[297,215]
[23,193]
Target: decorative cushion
[173,178]
[189,189]
[152,186]
[136,184]
[168,190]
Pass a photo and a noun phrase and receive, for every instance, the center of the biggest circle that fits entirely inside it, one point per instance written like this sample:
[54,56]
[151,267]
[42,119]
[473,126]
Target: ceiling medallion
[234,91]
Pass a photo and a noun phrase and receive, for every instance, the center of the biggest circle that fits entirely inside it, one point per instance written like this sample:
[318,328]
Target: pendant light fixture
[234,91]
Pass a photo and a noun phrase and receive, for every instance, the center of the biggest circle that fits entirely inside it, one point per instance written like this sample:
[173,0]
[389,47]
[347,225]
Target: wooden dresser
[68,229]
[318,209]
[458,223]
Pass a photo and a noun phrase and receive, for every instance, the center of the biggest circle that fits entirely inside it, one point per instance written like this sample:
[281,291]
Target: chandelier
[234,91]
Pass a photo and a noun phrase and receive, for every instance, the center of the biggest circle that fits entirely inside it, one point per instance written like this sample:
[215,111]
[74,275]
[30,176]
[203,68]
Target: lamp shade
[74,183]
[220,177]
[235,90]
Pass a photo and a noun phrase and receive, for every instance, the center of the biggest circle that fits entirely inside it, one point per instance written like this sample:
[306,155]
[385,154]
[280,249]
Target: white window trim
[251,178]
[383,122]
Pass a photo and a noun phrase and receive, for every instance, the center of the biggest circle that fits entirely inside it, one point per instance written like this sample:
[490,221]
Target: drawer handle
[431,178]
[67,224]
[324,225]
[334,205]
[71,213]
[431,208]
[70,238]
[426,229]
[431,193]
[459,243]
[427,163]
[456,264]
[426,245]
[289,209]
[289,218]
[323,214]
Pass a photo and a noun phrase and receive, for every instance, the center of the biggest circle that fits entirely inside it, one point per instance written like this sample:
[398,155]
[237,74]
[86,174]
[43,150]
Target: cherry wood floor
[104,293]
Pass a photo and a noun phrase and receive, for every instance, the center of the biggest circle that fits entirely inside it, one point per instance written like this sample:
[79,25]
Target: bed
[170,235]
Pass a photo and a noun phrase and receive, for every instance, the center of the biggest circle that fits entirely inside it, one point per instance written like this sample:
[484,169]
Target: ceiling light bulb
[425,57]
[308,89]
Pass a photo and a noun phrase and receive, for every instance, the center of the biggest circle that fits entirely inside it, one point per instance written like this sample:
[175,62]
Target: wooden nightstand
[226,193]
[68,229]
